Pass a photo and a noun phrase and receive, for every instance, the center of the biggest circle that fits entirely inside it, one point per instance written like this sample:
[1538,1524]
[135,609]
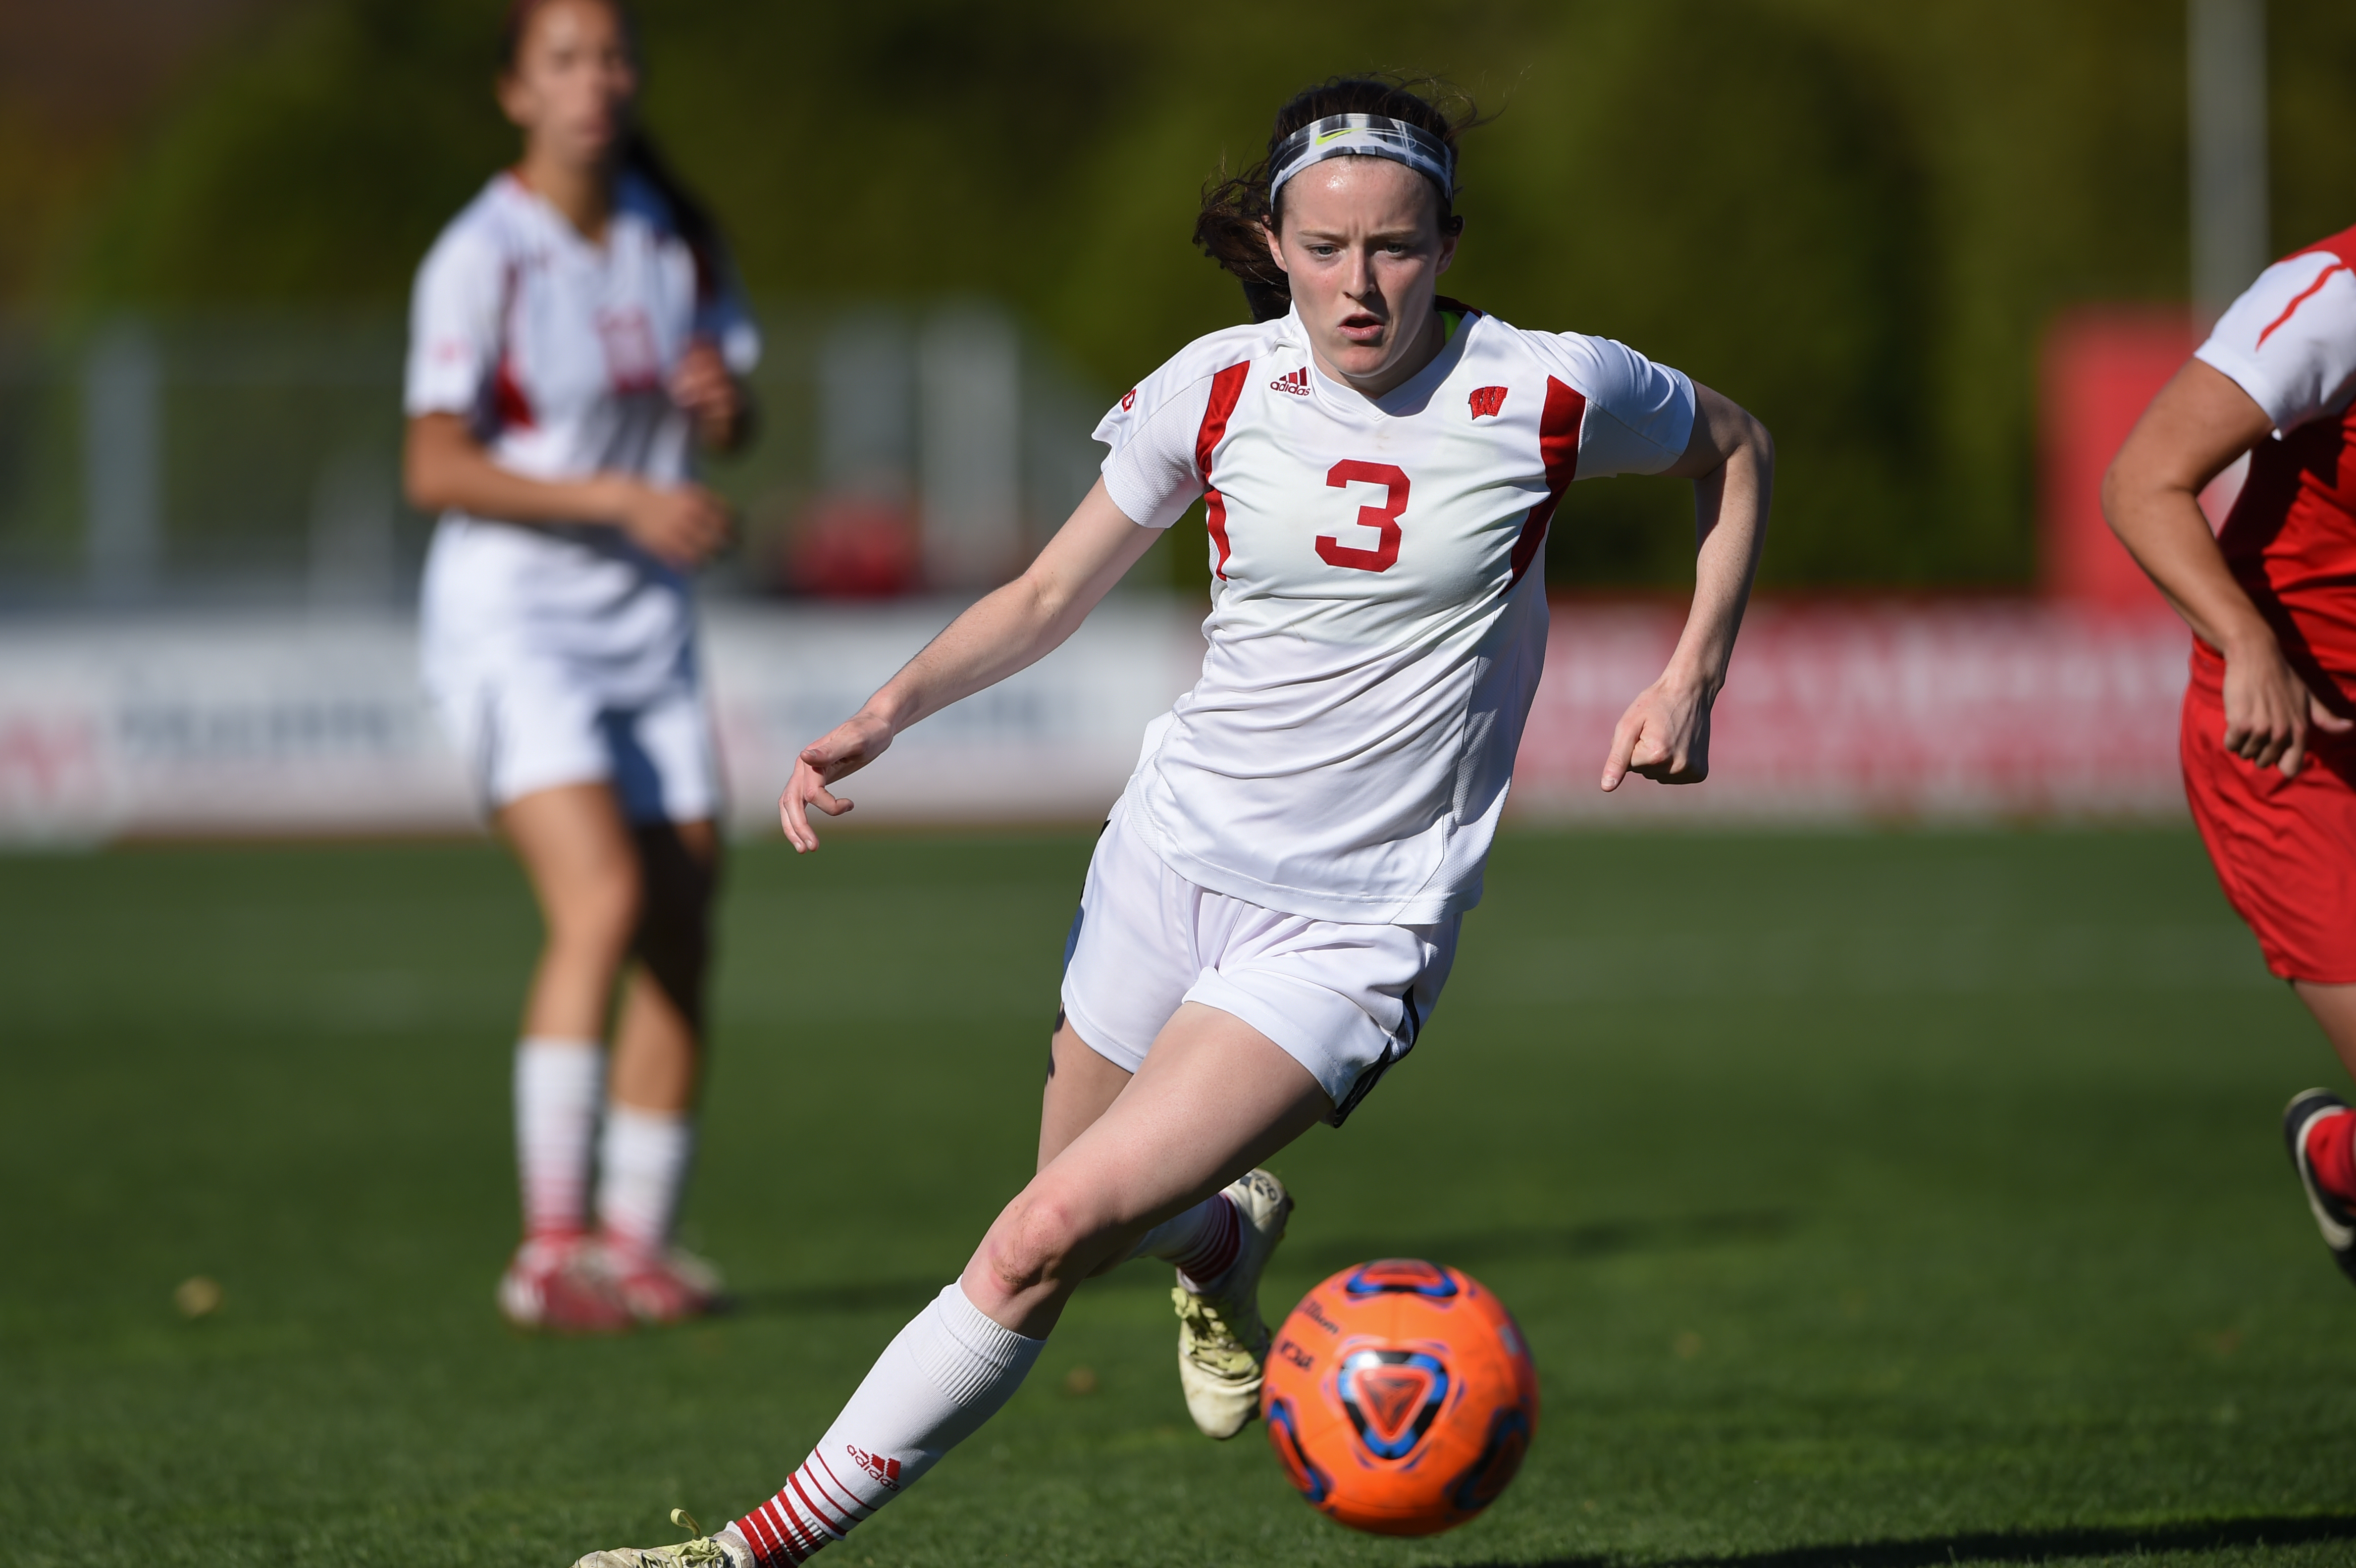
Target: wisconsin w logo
[1487,400]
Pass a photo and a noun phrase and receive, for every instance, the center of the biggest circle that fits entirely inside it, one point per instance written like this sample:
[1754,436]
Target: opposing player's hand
[703,386]
[847,748]
[1664,736]
[2269,711]
[681,525]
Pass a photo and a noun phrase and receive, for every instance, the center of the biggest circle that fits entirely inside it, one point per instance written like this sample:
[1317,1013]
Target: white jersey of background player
[1272,909]
[573,332]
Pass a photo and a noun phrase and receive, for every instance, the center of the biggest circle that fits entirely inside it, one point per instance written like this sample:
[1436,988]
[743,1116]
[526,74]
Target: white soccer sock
[642,1167]
[557,1085]
[949,1371]
[1202,1241]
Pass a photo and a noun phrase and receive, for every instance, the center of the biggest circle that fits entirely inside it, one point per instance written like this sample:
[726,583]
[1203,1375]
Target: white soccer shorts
[1344,1001]
[523,726]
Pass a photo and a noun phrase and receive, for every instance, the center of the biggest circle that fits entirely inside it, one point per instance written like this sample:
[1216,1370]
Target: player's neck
[1426,347]
[582,194]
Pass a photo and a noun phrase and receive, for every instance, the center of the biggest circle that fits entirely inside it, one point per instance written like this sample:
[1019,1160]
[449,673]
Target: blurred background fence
[252,458]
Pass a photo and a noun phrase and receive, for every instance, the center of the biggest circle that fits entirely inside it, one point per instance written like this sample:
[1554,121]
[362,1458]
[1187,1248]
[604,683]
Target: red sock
[2331,1155]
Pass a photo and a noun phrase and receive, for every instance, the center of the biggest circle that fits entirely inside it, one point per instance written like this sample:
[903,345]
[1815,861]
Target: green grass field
[1895,1200]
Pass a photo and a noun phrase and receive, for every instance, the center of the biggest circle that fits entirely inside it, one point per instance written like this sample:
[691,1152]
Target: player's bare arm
[1009,629]
[445,468]
[2193,430]
[1730,458]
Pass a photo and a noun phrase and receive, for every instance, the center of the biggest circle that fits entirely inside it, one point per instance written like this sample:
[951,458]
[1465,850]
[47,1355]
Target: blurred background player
[2269,760]
[1269,916]
[574,330]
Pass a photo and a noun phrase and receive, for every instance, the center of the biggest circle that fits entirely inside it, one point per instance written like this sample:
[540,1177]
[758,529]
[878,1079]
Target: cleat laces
[701,1552]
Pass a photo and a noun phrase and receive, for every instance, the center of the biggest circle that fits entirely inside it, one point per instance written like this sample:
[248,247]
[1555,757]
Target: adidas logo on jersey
[1294,381]
[884,1470]
[1488,400]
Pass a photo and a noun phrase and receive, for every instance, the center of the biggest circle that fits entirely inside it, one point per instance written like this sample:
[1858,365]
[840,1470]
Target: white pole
[968,372]
[122,446]
[2225,51]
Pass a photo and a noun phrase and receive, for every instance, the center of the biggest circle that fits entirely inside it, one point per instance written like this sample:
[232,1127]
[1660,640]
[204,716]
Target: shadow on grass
[1594,1239]
[2020,1546]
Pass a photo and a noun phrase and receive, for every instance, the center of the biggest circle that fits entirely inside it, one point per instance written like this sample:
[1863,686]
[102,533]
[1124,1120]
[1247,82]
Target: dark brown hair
[1232,228]
[639,156]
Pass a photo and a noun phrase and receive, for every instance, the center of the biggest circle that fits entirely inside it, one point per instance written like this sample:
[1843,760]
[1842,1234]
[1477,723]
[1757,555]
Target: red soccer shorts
[2284,848]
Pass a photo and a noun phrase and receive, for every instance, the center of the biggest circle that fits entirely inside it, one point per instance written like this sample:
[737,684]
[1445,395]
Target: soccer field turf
[1887,1199]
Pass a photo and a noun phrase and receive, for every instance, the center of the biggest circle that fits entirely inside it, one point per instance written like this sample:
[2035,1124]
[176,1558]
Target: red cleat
[672,1286]
[554,1283]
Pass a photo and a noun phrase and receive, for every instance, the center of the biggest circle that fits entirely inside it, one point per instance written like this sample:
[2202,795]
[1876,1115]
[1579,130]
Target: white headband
[1366,137]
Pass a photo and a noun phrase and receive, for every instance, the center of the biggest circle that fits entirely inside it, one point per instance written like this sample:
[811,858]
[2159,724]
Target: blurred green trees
[1856,219]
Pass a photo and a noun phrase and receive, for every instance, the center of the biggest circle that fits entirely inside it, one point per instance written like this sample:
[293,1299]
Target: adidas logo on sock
[884,1470]
[1294,381]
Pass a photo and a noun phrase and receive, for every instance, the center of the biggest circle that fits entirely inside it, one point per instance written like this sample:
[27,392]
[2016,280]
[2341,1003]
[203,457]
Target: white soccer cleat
[704,1551]
[1222,1343]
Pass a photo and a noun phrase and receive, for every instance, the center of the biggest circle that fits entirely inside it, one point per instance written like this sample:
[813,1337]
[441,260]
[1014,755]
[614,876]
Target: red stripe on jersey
[1559,424]
[2305,295]
[1227,387]
[508,402]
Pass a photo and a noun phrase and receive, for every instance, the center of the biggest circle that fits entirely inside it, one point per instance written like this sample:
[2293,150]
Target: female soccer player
[1273,908]
[2269,763]
[572,331]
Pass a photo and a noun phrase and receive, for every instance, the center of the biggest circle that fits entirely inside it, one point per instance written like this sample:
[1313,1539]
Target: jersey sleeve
[726,317]
[2291,341]
[1640,415]
[454,326]
[1154,472]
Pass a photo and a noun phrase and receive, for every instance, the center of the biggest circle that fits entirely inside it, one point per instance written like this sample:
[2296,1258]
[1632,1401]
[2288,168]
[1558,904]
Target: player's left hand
[843,750]
[703,386]
[1664,736]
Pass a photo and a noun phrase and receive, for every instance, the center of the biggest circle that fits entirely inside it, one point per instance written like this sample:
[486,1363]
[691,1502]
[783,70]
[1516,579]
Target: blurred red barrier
[1936,708]
[2101,369]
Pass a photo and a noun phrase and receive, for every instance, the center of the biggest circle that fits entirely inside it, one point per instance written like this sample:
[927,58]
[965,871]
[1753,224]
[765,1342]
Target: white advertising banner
[287,723]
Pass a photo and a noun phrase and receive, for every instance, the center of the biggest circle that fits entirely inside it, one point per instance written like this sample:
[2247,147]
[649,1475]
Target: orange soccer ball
[1401,1398]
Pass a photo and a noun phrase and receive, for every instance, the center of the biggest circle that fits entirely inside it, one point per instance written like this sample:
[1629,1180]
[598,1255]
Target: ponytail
[689,217]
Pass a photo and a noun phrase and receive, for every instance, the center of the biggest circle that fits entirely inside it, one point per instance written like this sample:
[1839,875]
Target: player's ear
[1275,246]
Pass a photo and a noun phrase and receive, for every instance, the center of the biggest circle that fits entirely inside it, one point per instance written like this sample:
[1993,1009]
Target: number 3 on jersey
[1383,519]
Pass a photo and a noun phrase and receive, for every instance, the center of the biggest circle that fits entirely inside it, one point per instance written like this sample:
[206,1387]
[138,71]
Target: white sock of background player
[557,1088]
[950,1369]
[642,1165]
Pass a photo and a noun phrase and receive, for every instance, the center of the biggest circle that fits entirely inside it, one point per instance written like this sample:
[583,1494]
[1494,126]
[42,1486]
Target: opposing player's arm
[444,466]
[2201,421]
[1730,458]
[1009,629]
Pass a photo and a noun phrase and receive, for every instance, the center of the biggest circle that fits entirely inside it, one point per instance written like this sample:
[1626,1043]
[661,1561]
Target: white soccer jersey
[557,351]
[1378,613]
[2291,341]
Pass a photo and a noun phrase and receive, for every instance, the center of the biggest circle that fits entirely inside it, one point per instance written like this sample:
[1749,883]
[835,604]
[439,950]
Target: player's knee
[1041,1242]
[602,912]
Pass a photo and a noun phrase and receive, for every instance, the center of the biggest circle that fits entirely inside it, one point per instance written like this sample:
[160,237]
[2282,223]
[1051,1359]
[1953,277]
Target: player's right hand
[2269,710]
[682,525]
[843,750]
